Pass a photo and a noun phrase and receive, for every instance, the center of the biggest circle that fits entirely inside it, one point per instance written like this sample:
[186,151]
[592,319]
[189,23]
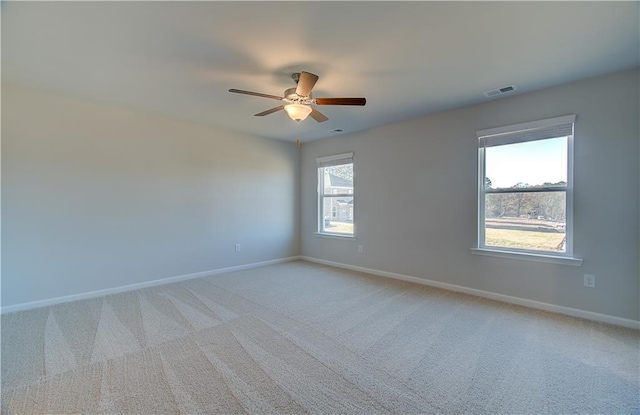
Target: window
[525,187]
[335,195]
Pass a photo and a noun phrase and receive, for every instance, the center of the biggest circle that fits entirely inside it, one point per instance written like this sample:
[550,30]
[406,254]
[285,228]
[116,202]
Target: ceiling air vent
[500,91]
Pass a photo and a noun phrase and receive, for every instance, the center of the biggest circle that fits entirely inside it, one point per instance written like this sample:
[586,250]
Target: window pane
[529,164]
[337,215]
[535,221]
[338,179]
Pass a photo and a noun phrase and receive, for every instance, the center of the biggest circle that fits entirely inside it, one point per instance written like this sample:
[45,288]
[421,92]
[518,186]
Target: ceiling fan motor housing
[291,96]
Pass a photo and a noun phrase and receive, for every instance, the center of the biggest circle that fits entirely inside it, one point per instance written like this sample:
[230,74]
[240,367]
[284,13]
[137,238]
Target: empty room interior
[320,207]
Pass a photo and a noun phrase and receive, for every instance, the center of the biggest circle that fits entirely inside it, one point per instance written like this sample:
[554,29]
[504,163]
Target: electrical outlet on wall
[360,248]
[589,280]
[237,247]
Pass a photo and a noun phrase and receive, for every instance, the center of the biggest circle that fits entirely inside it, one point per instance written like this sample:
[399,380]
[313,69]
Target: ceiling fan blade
[257,94]
[318,116]
[341,101]
[271,111]
[305,83]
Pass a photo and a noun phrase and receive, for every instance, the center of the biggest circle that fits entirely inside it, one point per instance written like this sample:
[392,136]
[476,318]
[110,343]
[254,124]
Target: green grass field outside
[547,241]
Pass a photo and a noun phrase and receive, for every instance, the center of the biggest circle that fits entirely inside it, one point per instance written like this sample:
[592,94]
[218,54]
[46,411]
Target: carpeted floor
[303,338]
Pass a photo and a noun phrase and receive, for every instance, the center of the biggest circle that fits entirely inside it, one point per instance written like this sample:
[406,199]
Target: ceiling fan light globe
[298,112]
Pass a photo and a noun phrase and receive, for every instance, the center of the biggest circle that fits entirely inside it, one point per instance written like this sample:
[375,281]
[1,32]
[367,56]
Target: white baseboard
[589,315]
[131,287]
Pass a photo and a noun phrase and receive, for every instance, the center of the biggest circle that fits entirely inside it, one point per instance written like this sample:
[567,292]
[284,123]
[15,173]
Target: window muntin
[336,195]
[525,187]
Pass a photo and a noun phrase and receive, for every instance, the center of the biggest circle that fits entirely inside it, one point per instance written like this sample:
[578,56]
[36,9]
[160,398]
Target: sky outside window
[533,162]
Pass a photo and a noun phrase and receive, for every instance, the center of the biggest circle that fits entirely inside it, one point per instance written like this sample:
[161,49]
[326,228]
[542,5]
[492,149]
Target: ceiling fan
[299,100]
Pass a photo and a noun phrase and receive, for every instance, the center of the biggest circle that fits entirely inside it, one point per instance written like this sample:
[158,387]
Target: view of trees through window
[523,215]
[526,220]
[337,206]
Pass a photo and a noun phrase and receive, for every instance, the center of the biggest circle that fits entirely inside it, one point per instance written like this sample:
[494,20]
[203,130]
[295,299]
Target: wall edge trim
[123,288]
[574,312]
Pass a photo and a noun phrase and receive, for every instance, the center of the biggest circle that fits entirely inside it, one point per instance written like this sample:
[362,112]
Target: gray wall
[97,197]
[416,198]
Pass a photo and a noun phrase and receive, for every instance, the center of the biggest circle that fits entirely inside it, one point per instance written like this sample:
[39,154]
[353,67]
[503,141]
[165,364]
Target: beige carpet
[302,338]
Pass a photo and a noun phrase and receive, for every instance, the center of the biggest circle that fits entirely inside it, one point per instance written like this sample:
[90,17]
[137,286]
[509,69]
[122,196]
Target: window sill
[334,236]
[526,256]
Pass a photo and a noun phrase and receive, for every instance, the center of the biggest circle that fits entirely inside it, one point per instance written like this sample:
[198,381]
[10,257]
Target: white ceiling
[408,59]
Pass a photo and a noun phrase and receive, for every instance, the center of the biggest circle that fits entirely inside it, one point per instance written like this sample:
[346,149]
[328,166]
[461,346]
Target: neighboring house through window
[335,195]
[525,187]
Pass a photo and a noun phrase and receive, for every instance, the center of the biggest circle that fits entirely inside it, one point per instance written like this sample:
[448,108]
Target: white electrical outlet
[237,247]
[360,248]
[589,280]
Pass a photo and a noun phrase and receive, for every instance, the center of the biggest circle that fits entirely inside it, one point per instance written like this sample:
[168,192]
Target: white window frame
[328,161]
[518,133]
